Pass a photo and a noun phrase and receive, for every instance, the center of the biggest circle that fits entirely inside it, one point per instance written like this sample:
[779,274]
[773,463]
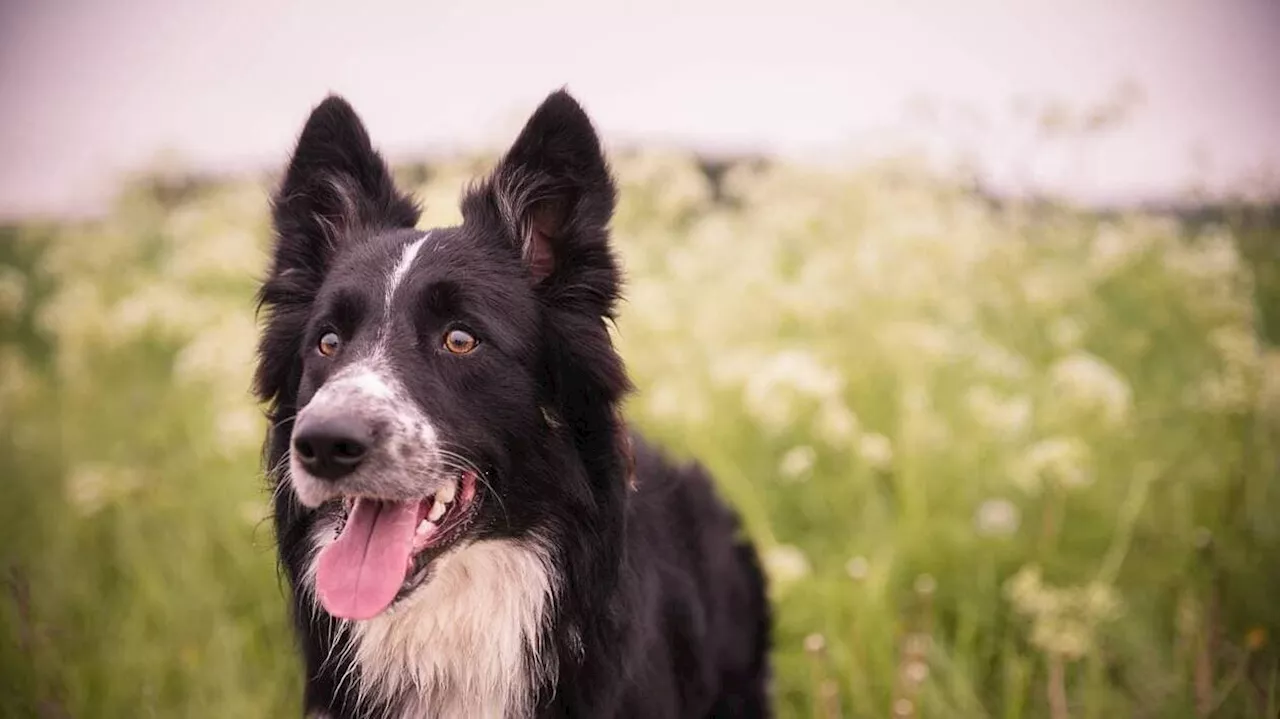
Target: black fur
[662,609]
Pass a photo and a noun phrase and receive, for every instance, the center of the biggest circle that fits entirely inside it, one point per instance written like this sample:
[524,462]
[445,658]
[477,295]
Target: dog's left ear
[552,193]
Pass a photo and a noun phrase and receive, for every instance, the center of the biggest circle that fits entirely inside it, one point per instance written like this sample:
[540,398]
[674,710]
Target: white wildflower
[922,425]
[1049,288]
[162,306]
[1026,590]
[1064,621]
[16,378]
[786,564]
[1219,253]
[1099,600]
[858,568]
[238,429]
[915,672]
[13,290]
[1212,256]
[772,393]
[1113,250]
[1086,381]
[797,463]
[1236,347]
[665,186]
[651,302]
[210,249]
[837,424]
[1233,386]
[925,584]
[664,400]
[72,314]
[876,449]
[815,643]
[998,361]
[1058,461]
[997,518]
[1006,417]
[932,342]
[1069,639]
[220,353]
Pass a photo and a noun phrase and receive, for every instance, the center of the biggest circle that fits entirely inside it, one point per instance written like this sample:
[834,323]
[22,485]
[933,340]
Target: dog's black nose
[332,447]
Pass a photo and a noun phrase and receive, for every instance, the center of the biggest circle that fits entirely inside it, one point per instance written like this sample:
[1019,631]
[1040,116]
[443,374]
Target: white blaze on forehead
[401,268]
[394,278]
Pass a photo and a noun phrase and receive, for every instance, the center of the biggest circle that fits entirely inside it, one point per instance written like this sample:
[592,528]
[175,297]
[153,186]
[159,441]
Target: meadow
[1002,459]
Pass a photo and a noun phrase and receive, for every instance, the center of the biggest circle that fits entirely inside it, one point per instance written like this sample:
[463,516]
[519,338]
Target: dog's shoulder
[679,493]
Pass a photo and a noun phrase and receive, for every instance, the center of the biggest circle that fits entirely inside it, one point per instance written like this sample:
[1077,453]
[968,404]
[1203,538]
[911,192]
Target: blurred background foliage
[1003,458]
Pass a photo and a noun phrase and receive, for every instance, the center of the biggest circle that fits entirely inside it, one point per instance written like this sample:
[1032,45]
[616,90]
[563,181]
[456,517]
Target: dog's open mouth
[385,547]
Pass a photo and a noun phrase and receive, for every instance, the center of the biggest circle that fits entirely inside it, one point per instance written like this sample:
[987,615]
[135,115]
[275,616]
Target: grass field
[1003,462]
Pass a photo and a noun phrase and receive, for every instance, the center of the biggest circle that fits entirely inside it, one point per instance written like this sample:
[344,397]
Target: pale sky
[91,89]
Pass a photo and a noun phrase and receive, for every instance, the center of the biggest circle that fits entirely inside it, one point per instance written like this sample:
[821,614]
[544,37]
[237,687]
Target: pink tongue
[360,573]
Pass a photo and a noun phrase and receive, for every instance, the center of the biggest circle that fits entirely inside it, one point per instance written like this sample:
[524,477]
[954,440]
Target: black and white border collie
[466,524]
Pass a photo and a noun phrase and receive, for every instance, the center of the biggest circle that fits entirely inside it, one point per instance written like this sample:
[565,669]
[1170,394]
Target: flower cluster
[1064,620]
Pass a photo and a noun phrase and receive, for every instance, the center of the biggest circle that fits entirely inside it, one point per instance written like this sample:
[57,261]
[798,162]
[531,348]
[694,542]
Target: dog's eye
[460,341]
[329,344]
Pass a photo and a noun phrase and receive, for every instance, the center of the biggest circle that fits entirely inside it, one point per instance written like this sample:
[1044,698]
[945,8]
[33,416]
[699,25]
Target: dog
[467,526]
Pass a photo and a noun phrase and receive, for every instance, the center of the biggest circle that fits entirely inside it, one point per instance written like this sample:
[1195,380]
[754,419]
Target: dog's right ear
[337,189]
[335,186]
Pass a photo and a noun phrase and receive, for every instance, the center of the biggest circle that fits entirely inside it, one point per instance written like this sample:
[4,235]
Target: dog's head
[417,370]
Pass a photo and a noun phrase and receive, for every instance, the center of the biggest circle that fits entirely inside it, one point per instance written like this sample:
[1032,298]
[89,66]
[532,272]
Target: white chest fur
[466,643]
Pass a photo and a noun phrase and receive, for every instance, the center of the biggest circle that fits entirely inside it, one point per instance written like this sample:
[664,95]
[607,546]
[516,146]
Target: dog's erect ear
[336,183]
[336,189]
[552,191]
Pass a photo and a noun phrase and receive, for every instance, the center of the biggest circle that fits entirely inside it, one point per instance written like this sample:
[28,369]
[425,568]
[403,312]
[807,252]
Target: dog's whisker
[276,475]
[468,465]
[501,505]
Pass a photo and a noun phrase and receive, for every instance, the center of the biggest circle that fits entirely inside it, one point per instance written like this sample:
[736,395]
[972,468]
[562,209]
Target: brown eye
[460,342]
[329,344]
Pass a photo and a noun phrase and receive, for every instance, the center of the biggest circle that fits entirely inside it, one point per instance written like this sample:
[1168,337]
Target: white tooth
[447,494]
[424,526]
[437,511]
